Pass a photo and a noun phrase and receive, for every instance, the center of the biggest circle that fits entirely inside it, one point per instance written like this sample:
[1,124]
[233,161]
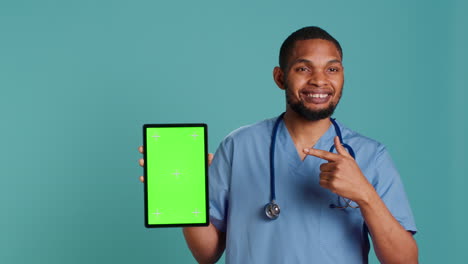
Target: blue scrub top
[308,230]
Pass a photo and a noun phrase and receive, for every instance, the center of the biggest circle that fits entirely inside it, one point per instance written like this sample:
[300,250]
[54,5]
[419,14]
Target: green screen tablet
[176,175]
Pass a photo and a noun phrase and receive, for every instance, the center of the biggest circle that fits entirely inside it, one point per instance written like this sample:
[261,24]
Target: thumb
[210,158]
[339,148]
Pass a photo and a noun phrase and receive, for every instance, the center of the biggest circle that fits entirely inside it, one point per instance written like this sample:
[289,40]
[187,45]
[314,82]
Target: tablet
[176,175]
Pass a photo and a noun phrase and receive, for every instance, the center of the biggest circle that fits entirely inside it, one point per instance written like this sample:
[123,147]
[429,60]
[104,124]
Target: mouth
[316,96]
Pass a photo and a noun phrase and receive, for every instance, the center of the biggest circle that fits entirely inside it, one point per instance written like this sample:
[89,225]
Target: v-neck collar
[286,145]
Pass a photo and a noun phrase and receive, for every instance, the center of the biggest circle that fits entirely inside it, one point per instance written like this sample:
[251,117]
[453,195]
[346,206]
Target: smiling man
[323,94]
[302,187]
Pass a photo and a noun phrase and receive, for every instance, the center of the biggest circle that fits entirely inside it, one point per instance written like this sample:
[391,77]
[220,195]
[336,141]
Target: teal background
[79,78]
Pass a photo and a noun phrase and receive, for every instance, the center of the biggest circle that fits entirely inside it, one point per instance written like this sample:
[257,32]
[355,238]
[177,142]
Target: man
[329,201]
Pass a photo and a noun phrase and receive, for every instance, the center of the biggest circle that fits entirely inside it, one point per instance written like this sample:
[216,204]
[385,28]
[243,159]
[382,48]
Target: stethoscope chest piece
[272,210]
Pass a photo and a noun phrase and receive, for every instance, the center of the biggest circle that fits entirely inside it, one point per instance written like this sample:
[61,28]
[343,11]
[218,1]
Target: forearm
[392,243]
[206,243]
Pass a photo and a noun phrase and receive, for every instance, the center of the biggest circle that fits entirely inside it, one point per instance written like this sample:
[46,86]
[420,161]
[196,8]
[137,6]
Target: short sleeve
[219,179]
[390,188]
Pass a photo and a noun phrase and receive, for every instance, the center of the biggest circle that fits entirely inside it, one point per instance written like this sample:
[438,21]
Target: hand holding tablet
[176,175]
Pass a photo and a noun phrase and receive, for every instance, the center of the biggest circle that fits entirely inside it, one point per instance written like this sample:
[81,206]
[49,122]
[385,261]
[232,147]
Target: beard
[311,115]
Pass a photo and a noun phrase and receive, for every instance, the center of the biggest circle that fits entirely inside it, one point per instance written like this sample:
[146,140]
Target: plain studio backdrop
[79,78]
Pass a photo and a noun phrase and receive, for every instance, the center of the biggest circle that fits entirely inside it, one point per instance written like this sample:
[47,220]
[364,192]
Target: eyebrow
[311,62]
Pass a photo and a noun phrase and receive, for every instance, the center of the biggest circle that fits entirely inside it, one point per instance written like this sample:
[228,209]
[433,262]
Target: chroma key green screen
[175,175]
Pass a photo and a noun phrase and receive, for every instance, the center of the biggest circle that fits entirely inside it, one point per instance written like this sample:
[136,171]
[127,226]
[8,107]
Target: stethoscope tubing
[272,214]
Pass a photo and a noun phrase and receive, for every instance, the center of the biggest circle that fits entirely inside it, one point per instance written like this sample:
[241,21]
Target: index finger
[140,148]
[322,154]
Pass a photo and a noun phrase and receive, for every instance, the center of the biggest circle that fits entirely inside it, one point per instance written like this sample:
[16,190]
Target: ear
[278,76]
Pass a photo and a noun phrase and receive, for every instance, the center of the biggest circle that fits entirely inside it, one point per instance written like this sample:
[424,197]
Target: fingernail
[306,150]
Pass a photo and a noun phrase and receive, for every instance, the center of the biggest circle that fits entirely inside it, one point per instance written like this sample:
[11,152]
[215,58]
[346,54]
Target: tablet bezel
[205,136]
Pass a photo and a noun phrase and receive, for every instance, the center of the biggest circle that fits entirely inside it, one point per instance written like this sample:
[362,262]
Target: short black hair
[304,34]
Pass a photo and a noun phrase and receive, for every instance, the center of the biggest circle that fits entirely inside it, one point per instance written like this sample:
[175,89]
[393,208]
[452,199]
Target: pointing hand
[341,174]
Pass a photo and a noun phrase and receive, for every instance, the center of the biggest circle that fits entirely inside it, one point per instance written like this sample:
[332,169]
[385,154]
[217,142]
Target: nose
[318,78]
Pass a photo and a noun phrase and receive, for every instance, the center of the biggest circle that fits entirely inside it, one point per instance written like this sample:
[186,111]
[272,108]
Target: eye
[333,69]
[302,69]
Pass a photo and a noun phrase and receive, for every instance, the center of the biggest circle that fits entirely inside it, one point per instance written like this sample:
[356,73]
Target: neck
[304,133]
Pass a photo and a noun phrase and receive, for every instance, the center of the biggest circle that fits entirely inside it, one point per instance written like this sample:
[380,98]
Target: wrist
[368,195]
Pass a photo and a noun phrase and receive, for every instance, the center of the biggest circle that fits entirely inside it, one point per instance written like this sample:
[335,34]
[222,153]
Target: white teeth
[317,95]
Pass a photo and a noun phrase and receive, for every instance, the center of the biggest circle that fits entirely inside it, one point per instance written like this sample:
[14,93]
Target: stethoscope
[272,209]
